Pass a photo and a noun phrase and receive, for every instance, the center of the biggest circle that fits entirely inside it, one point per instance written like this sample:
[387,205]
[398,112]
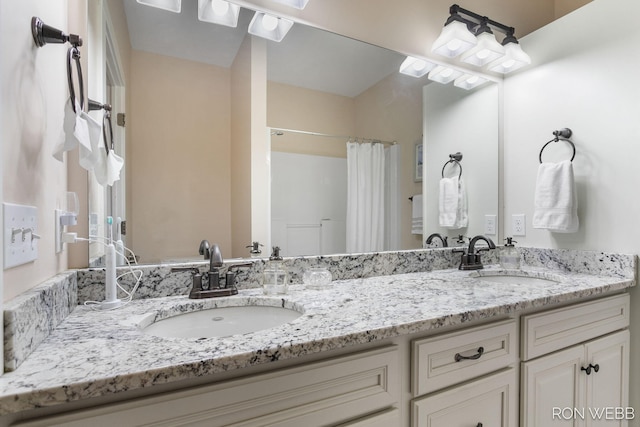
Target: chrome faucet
[204,249]
[215,287]
[470,258]
[433,236]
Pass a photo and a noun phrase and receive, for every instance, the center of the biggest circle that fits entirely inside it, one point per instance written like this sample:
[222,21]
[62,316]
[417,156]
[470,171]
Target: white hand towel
[448,201]
[556,200]
[81,131]
[416,214]
[108,167]
[462,216]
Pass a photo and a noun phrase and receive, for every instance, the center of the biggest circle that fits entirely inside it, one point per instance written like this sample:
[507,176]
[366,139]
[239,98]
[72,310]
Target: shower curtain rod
[334,136]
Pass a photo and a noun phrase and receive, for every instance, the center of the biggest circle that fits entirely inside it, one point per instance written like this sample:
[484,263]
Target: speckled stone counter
[93,353]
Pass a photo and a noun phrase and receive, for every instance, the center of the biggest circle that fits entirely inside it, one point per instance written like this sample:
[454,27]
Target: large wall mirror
[322,90]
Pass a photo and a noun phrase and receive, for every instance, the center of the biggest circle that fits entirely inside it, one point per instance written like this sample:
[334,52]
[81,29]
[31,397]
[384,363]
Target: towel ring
[560,135]
[73,54]
[454,158]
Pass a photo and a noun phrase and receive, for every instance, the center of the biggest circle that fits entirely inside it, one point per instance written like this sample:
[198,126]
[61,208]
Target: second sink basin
[515,279]
[221,322]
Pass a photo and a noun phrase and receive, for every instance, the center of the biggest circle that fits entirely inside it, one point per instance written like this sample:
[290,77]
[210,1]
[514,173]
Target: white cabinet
[488,402]
[316,394]
[460,359]
[583,385]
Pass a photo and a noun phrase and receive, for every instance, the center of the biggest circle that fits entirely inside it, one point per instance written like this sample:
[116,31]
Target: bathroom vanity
[425,348]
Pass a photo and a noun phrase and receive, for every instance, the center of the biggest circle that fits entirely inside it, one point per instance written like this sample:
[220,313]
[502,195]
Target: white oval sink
[221,322]
[515,280]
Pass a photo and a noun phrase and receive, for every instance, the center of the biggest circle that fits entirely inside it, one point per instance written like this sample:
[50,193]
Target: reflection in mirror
[466,121]
[187,80]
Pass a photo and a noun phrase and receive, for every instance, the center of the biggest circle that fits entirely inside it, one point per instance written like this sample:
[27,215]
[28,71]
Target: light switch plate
[20,231]
[490,224]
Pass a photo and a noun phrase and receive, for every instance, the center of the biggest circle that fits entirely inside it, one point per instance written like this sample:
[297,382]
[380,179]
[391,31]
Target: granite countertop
[93,353]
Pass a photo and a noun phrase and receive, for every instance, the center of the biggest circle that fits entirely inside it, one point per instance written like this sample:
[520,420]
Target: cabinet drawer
[490,402]
[553,330]
[385,419]
[316,394]
[436,361]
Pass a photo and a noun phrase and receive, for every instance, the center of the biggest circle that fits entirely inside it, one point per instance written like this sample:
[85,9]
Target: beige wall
[34,92]
[291,107]
[181,156]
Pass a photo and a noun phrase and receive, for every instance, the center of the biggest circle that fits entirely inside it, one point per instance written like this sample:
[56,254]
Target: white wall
[466,121]
[583,76]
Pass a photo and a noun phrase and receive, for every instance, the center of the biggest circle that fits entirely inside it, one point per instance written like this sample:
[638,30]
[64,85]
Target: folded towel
[453,203]
[555,200]
[462,216]
[448,201]
[416,214]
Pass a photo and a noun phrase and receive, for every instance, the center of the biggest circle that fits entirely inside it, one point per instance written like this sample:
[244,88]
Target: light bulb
[419,65]
[472,80]
[483,54]
[508,63]
[269,22]
[447,72]
[220,7]
[454,45]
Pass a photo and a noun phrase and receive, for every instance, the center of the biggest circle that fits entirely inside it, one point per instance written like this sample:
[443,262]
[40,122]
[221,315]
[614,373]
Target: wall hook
[43,34]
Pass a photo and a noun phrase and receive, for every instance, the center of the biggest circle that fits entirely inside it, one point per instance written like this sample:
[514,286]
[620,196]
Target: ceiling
[307,57]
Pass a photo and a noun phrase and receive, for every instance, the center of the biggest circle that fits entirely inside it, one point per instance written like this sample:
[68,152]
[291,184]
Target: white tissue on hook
[108,167]
[77,132]
[83,131]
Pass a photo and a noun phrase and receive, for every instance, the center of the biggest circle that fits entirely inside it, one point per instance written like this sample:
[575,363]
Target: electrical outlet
[490,224]
[518,225]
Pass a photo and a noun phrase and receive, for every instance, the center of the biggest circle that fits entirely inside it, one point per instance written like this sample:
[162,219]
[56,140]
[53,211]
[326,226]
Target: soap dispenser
[509,256]
[275,279]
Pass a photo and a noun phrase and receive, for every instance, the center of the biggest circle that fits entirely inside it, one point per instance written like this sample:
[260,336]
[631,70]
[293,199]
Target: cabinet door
[552,387]
[488,402]
[607,389]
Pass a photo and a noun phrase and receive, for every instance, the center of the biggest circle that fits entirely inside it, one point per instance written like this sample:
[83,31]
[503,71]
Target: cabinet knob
[588,369]
[479,425]
[458,357]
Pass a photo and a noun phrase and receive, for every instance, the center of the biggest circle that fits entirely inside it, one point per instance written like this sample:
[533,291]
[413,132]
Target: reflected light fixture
[218,12]
[269,26]
[514,57]
[444,75]
[469,81]
[170,5]
[471,35]
[416,67]
[298,4]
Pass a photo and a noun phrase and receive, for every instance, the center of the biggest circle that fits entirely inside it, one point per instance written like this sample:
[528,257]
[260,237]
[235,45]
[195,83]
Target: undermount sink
[221,322]
[515,280]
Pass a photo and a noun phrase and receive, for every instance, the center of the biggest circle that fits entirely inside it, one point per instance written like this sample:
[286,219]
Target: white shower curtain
[365,197]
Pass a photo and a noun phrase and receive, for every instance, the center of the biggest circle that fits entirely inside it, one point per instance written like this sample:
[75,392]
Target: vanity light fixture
[455,37]
[487,50]
[470,34]
[170,5]
[269,26]
[444,75]
[469,81]
[218,12]
[514,57]
[416,67]
[298,4]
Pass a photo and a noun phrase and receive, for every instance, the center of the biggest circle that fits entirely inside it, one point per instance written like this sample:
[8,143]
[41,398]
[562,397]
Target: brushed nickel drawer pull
[458,357]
